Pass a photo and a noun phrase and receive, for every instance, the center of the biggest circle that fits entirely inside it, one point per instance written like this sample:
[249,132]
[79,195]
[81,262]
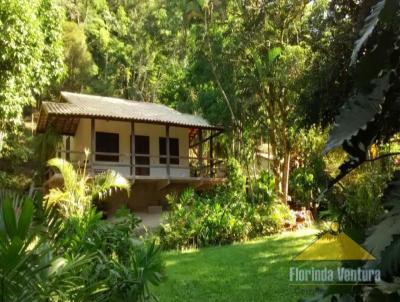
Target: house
[159,149]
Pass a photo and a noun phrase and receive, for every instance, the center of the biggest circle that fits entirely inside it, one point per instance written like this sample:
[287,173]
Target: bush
[124,264]
[356,205]
[196,220]
[224,215]
[68,253]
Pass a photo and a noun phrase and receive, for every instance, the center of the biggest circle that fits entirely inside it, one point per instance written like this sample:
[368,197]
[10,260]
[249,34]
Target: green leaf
[25,218]
[274,53]
[390,265]
[369,26]
[9,218]
[382,235]
[357,112]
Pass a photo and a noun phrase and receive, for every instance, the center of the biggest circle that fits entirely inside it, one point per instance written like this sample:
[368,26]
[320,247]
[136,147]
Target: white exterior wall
[82,140]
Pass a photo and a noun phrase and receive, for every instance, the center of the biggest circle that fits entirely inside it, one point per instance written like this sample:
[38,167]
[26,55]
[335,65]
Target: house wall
[142,196]
[82,140]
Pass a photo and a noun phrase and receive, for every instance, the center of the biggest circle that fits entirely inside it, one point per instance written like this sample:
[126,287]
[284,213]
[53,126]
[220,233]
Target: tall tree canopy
[31,61]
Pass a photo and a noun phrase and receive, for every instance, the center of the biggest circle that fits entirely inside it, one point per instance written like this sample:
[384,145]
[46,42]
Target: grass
[253,271]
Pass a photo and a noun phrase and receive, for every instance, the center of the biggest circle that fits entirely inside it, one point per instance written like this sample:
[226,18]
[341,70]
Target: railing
[142,165]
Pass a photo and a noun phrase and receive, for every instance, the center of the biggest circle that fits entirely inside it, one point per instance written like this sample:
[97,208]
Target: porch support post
[211,156]
[68,148]
[167,150]
[200,155]
[133,172]
[93,143]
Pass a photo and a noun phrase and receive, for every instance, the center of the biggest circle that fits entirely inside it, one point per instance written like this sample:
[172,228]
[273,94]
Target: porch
[154,155]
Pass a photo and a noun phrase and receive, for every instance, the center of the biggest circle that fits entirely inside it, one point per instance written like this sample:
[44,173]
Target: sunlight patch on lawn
[252,271]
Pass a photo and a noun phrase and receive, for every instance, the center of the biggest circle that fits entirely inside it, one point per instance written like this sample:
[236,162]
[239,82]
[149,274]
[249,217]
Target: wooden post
[167,149]
[93,143]
[200,155]
[211,155]
[68,148]
[133,171]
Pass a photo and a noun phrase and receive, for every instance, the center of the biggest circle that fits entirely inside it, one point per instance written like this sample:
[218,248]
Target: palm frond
[67,171]
[104,183]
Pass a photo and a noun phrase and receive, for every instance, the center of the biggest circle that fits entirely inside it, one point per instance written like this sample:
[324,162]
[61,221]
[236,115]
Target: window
[142,147]
[107,143]
[173,150]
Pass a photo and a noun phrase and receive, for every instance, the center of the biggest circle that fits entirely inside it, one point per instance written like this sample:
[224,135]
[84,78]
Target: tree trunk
[285,177]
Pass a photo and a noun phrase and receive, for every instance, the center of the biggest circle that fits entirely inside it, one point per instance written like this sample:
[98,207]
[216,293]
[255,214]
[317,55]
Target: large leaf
[67,170]
[25,218]
[385,12]
[357,112]
[382,235]
[368,28]
[390,263]
[10,221]
[104,183]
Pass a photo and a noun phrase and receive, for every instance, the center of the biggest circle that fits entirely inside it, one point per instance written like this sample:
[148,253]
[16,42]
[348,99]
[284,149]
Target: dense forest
[317,81]
[264,70]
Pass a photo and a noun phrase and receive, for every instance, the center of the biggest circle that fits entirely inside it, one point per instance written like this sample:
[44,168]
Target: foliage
[355,204]
[30,62]
[309,176]
[77,58]
[123,266]
[235,184]
[30,270]
[264,188]
[224,215]
[75,199]
[375,104]
[68,253]
[45,147]
[200,221]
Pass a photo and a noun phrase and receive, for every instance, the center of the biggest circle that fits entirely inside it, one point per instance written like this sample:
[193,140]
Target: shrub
[196,220]
[224,215]
[69,253]
[266,219]
[357,204]
[264,188]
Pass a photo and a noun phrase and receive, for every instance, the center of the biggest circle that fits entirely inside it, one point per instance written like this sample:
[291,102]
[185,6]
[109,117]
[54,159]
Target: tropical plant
[123,267]
[67,253]
[370,116]
[79,191]
[30,269]
[224,215]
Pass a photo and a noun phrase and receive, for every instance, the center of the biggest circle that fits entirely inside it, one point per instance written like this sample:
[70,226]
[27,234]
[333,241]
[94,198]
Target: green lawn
[253,271]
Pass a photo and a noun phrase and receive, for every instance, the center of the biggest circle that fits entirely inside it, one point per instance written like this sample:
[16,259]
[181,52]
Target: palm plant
[29,267]
[79,191]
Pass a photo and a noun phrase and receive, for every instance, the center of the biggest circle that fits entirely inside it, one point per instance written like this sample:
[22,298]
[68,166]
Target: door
[142,149]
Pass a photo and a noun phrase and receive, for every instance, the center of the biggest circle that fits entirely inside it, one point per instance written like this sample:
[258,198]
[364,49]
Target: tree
[30,62]
[77,58]
[248,63]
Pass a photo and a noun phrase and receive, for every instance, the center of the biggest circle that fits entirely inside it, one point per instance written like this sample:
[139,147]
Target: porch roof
[65,115]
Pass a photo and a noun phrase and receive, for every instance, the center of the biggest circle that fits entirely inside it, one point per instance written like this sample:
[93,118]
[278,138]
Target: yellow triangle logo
[334,247]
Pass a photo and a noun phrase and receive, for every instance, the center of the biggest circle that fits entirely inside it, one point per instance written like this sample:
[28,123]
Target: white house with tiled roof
[158,148]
